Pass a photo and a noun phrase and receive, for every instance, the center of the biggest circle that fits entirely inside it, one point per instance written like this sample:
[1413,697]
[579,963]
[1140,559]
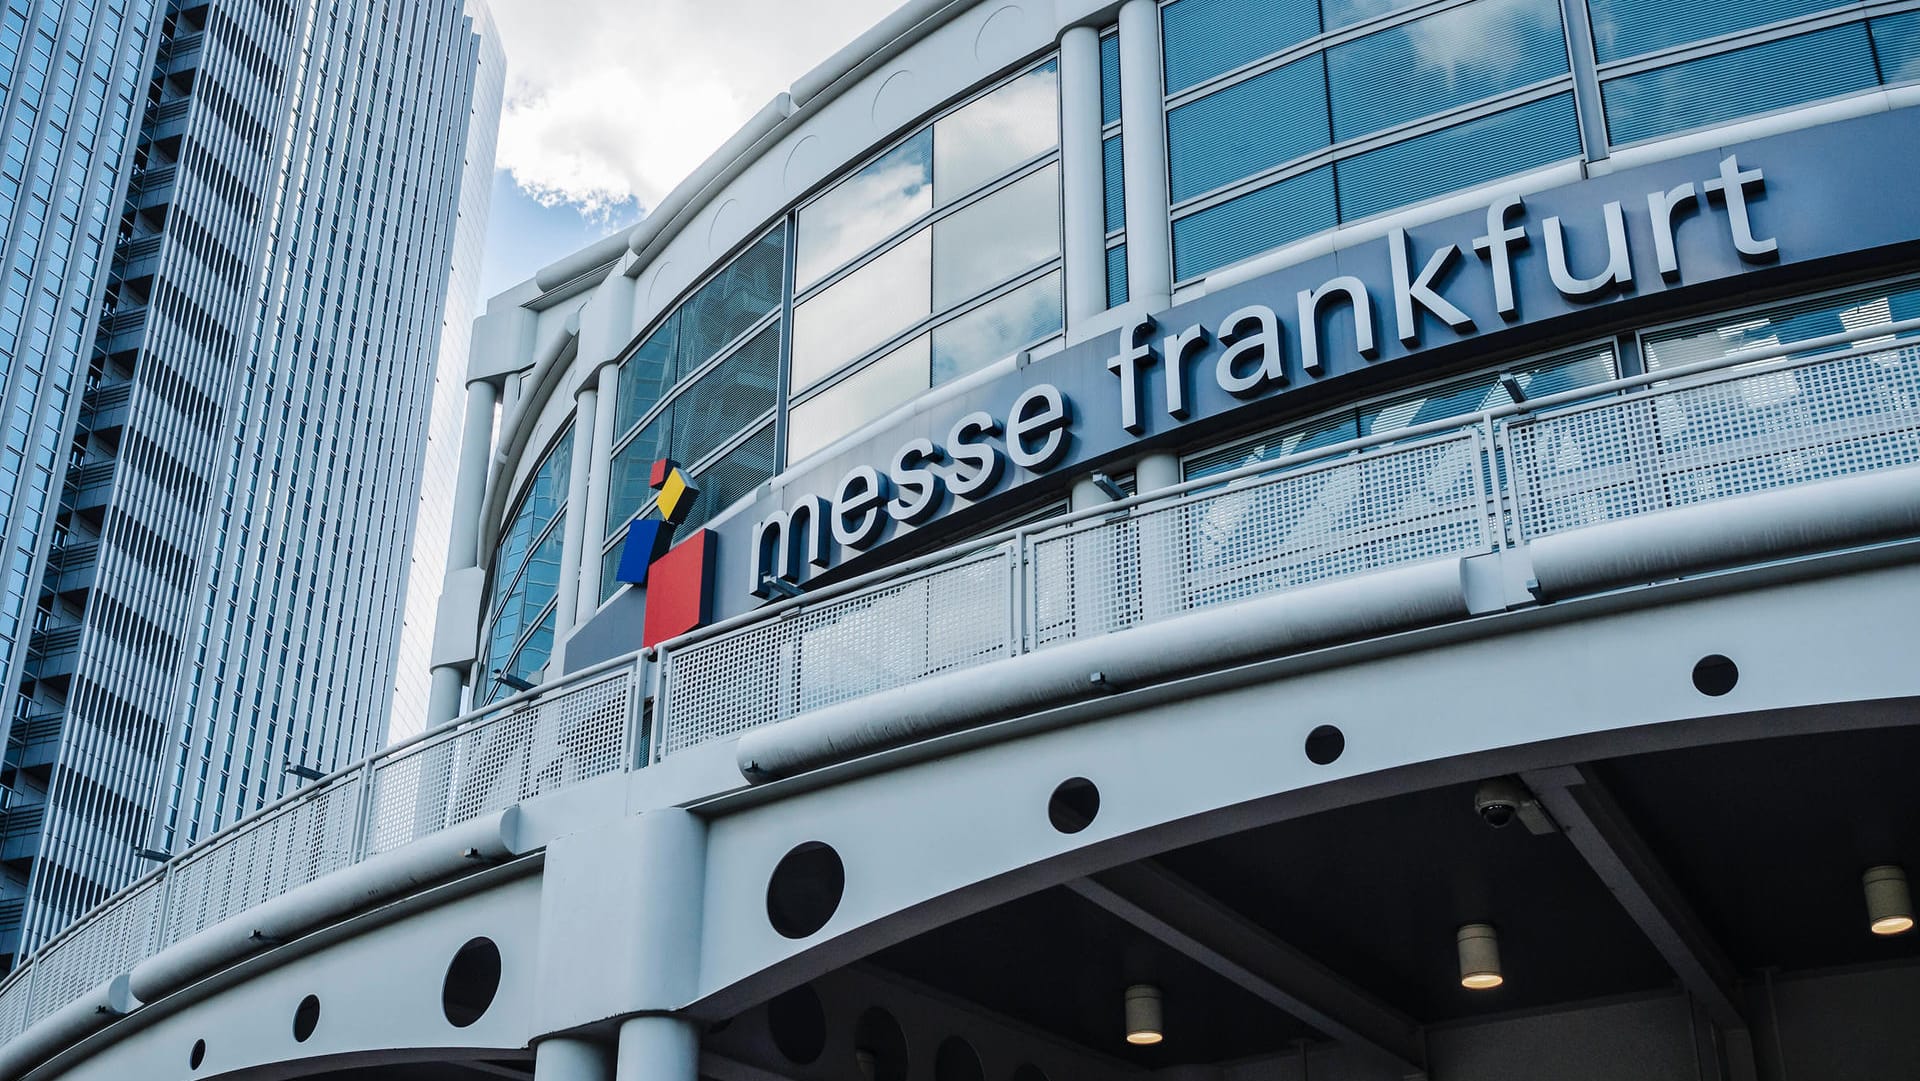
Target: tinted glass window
[1461,156]
[1725,86]
[1251,223]
[864,309]
[987,137]
[1625,28]
[997,328]
[1205,38]
[738,297]
[864,209]
[1248,127]
[981,245]
[866,394]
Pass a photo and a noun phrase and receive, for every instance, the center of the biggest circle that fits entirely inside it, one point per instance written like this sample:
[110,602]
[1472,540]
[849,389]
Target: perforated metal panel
[13,1003]
[412,791]
[549,743]
[1727,436]
[117,935]
[939,620]
[262,859]
[1404,505]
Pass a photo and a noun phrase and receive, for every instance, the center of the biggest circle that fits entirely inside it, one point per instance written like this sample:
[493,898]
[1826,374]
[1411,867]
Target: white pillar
[599,490]
[565,1058]
[1163,553]
[573,529]
[657,1047]
[1156,471]
[1083,206]
[463,534]
[1143,124]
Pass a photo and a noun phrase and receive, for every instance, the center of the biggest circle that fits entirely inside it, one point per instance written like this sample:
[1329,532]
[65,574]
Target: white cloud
[610,101]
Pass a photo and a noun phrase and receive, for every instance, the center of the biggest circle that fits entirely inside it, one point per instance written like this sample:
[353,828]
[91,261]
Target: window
[935,259]
[526,564]
[1281,122]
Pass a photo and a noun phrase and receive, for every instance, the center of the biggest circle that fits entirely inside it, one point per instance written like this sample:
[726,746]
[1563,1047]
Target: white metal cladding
[1358,514]
[939,620]
[106,945]
[1786,424]
[1745,428]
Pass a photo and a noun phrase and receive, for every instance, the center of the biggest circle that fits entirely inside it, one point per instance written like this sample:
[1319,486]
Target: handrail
[487,757]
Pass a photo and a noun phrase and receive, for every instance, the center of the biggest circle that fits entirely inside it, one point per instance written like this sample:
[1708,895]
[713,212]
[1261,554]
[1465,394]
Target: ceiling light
[1479,957]
[1889,904]
[1143,1014]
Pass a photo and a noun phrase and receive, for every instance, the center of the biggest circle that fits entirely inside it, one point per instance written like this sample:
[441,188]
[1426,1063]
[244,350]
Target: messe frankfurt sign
[1170,368]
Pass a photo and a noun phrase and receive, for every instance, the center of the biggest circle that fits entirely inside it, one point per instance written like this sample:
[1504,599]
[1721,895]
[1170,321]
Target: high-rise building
[225,567]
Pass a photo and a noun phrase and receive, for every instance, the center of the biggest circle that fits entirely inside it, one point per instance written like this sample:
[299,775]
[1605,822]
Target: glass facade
[205,207]
[526,576]
[933,260]
[1281,123]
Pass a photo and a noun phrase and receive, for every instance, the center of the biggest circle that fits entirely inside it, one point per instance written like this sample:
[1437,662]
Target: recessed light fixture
[1479,957]
[1889,904]
[1143,1015]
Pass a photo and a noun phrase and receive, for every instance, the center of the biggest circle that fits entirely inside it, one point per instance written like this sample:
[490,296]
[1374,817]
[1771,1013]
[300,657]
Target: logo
[678,577]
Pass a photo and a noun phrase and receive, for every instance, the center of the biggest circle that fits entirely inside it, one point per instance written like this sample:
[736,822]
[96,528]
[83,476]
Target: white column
[1143,124]
[1156,471]
[1083,206]
[599,490]
[657,1047]
[573,530]
[1163,552]
[565,1058]
[463,535]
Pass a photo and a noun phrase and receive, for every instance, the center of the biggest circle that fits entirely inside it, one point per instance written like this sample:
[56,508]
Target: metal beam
[1605,837]
[1184,918]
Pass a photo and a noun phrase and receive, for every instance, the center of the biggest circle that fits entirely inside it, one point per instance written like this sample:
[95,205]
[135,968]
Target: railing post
[363,814]
[631,733]
[1019,606]
[1513,530]
[660,719]
[158,932]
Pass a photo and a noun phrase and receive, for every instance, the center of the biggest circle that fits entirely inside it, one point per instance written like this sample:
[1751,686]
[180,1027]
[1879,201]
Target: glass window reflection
[861,397]
[862,310]
[996,329]
[864,209]
[986,138]
[1012,230]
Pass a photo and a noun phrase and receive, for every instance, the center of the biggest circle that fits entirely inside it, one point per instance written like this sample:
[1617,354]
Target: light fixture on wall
[1143,1015]
[1889,903]
[1479,957]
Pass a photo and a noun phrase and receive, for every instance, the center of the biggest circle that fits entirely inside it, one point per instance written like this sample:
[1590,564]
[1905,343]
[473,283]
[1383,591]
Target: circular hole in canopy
[473,978]
[798,1024]
[306,1018]
[1715,675]
[804,890]
[879,1047]
[1325,745]
[1073,805]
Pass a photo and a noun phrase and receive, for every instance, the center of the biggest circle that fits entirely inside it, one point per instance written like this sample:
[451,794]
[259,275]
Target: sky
[610,103]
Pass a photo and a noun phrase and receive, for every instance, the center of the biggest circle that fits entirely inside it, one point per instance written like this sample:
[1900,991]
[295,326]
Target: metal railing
[1758,421]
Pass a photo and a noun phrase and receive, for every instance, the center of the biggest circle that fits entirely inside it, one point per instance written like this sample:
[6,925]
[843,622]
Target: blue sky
[610,103]
[523,236]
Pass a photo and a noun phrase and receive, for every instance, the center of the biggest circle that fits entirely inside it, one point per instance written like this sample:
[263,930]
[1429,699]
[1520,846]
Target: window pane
[1896,39]
[1624,28]
[1248,127]
[1205,38]
[1110,79]
[726,399]
[1443,61]
[1339,13]
[857,399]
[864,209]
[1781,324]
[1252,223]
[1116,275]
[1294,439]
[731,479]
[734,300]
[1458,157]
[1775,75]
[1477,392]
[1114,173]
[646,375]
[996,329]
[629,487]
[863,309]
[988,137]
[1015,229]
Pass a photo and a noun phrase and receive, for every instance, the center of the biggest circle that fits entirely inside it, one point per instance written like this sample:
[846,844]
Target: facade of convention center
[1204,540]
[215,205]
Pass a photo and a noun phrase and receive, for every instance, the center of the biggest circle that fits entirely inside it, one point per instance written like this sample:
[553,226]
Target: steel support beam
[1184,918]
[1606,838]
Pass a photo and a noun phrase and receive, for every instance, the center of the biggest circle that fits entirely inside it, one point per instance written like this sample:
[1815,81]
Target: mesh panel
[410,794]
[13,1005]
[942,620]
[1694,444]
[551,742]
[105,945]
[265,858]
[1406,505]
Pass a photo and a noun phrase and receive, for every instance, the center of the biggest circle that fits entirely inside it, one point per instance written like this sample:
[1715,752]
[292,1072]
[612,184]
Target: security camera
[1502,799]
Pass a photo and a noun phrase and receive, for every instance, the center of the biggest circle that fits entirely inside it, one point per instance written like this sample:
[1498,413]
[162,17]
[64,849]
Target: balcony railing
[1763,421]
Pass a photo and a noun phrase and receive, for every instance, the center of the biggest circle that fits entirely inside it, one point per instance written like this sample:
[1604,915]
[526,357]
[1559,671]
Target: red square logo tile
[680,588]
